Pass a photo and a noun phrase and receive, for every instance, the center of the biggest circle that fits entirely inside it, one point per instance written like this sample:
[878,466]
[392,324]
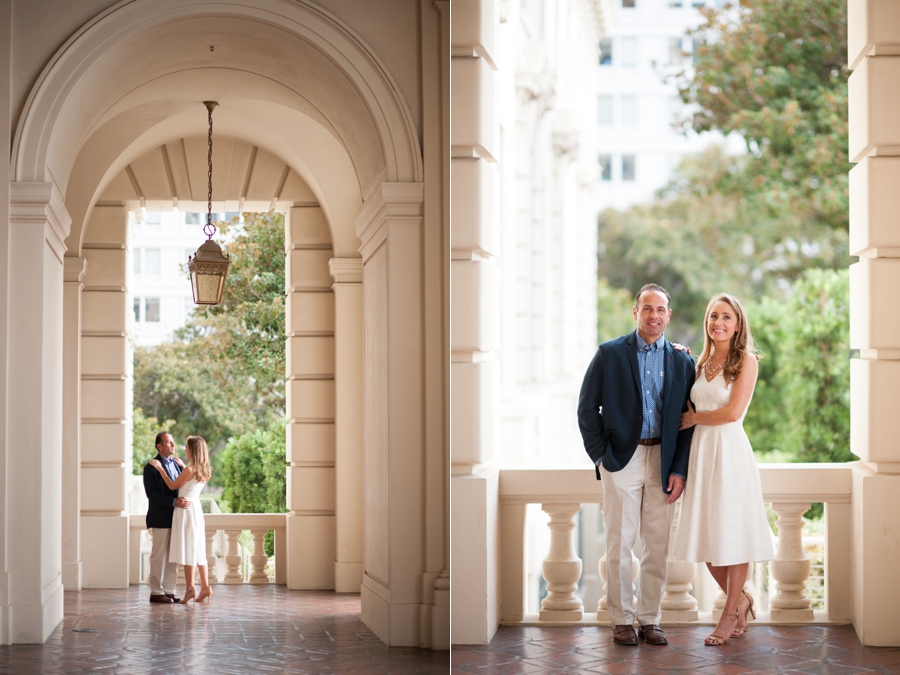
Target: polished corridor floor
[582,650]
[244,630]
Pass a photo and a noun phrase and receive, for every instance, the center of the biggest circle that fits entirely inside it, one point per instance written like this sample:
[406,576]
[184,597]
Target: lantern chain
[209,229]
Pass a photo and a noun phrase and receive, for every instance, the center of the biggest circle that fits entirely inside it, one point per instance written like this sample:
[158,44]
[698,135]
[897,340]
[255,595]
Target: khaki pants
[634,502]
[163,573]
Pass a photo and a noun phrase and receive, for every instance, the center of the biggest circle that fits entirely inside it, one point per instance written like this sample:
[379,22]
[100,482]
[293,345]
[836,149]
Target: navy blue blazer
[162,499]
[610,404]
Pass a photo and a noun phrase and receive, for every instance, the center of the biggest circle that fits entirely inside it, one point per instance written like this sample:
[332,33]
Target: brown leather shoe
[652,635]
[624,635]
[173,597]
[161,598]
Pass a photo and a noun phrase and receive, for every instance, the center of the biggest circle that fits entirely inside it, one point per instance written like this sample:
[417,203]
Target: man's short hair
[159,437]
[653,287]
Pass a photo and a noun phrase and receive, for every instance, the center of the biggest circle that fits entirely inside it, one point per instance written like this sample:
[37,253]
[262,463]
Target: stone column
[873,32]
[310,401]
[106,399]
[474,137]
[73,271]
[390,228]
[32,571]
[435,49]
[348,396]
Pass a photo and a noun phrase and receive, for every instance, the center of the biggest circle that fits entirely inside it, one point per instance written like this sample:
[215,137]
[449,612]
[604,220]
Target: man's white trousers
[634,503]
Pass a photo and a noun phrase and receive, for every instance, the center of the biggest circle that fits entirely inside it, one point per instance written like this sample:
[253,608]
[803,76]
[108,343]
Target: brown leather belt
[650,441]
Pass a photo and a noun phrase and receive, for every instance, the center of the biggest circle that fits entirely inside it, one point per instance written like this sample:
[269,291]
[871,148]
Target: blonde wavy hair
[741,342]
[198,454]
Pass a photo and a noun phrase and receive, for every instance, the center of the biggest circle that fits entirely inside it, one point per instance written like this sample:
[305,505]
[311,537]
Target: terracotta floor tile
[245,630]
[830,669]
[766,650]
[869,658]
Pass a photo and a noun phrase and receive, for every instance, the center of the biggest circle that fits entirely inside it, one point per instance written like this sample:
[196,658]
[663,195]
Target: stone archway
[129,82]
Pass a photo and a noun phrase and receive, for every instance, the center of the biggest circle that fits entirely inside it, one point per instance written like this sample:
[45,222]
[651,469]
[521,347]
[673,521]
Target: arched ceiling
[174,175]
[289,78]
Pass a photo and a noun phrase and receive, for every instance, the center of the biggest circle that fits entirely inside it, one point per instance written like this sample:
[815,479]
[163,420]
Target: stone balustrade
[227,564]
[790,489]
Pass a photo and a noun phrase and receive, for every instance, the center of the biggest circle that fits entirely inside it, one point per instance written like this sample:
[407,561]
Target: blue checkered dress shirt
[650,361]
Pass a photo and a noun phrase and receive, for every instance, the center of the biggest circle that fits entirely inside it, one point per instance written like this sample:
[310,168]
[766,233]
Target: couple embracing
[658,426]
[175,519]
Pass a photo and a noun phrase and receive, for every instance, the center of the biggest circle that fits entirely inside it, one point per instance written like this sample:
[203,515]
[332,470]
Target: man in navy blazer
[629,410]
[160,511]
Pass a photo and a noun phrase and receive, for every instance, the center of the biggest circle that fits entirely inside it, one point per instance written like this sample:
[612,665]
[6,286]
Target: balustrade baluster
[259,558]
[211,558]
[562,566]
[233,558]
[602,607]
[677,603]
[790,569]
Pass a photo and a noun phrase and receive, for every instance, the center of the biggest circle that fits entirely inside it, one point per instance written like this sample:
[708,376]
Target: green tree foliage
[801,406]
[223,375]
[253,471]
[771,224]
[143,439]
[614,315]
[776,74]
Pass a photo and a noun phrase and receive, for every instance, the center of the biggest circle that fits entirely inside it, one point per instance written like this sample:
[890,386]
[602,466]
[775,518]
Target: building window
[138,258]
[627,3]
[151,310]
[675,4]
[628,167]
[629,111]
[676,51]
[153,218]
[605,109]
[137,309]
[699,3]
[628,47]
[151,260]
[191,218]
[605,167]
[606,52]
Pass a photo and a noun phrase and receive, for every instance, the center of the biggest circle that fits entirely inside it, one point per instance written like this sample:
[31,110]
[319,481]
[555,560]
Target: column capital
[41,203]
[346,270]
[74,269]
[386,204]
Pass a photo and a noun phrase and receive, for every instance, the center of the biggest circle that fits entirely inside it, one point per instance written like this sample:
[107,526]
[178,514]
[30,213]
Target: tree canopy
[776,73]
[770,226]
[223,374]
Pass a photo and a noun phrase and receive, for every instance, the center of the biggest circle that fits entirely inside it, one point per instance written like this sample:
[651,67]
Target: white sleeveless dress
[187,545]
[723,518]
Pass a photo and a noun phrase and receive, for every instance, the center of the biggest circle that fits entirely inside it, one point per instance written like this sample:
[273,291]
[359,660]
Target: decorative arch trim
[58,83]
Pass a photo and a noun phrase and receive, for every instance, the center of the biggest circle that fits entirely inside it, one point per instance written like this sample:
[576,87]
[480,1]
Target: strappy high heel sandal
[205,594]
[189,595]
[739,632]
[715,639]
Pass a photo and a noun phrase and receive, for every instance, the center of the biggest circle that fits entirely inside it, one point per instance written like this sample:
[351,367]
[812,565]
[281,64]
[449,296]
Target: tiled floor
[794,650]
[244,630]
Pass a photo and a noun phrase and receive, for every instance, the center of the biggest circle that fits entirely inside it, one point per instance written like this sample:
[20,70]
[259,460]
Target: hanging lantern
[208,266]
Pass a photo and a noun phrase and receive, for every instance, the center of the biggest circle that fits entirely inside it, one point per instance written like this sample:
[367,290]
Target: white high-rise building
[638,99]
[161,296]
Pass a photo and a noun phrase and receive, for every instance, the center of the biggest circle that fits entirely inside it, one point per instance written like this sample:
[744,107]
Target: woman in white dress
[723,519]
[187,543]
